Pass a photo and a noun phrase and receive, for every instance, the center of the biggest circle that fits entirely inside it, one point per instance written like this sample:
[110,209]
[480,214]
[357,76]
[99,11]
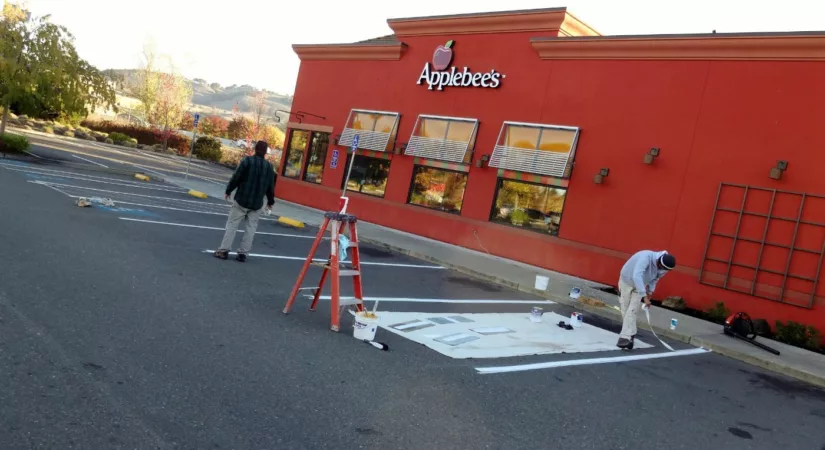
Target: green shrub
[101,138]
[118,138]
[208,149]
[519,217]
[718,312]
[799,335]
[48,130]
[133,140]
[13,143]
[109,141]
[129,144]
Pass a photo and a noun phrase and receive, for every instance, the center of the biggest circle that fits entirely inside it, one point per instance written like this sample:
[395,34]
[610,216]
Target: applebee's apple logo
[443,56]
[438,77]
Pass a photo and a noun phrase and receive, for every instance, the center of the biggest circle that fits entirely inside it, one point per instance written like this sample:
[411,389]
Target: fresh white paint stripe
[98,180]
[143,204]
[134,195]
[301,258]
[585,362]
[213,228]
[32,154]
[90,161]
[62,173]
[449,300]
[56,189]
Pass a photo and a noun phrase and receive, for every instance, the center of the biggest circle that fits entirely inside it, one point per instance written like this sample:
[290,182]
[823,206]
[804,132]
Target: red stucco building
[531,134]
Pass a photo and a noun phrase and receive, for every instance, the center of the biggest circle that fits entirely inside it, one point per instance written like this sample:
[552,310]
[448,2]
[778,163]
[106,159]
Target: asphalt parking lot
[118,329]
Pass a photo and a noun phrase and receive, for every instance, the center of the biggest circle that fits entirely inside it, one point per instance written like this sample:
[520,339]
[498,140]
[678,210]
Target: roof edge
[339,52]
[792,46]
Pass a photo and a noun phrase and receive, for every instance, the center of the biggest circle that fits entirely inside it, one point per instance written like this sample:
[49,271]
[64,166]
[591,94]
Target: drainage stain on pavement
[740,433]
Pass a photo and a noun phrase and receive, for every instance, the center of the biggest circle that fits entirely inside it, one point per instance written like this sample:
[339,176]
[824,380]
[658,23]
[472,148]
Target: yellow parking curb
[197,194]
[290,222]
[141,176]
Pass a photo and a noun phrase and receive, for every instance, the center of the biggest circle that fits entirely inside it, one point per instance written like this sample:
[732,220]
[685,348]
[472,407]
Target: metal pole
[191,150]
[349,170]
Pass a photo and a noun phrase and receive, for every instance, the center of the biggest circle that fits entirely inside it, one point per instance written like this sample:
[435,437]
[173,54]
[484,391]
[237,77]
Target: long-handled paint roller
[647,313]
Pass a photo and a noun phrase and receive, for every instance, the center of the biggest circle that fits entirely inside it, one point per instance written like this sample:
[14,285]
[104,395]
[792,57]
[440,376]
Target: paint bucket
[364,327]
[576,320]
[542,282]
[535,314]
[575,293]
[674,323]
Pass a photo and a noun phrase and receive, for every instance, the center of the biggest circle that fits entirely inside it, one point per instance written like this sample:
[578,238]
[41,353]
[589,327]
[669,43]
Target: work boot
[222,254]
[625,344]
[241,257]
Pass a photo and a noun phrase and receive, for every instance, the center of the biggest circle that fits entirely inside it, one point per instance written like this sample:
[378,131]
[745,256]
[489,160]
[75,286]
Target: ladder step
[308,288]
[349,301]
[348,273]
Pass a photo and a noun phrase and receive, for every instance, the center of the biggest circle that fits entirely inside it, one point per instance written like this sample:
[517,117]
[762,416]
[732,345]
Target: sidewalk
[794,362]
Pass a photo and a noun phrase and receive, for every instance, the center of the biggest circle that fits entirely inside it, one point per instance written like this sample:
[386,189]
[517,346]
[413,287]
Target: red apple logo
[443,56]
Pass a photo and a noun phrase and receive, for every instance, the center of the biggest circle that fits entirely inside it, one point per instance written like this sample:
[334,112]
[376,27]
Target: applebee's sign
[438,77]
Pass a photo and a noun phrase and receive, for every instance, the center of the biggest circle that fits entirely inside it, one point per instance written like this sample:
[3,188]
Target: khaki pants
[630,301]
[236,215]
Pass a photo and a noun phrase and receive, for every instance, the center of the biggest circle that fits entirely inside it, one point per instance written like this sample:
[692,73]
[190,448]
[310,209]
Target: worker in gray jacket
[636,284]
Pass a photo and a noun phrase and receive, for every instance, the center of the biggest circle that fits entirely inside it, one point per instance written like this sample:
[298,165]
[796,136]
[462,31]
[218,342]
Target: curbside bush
[13,143]
[208,149]
[118,138]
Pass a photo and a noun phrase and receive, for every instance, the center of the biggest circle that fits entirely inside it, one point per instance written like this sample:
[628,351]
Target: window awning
[376,130]
[443,138]
[535,148]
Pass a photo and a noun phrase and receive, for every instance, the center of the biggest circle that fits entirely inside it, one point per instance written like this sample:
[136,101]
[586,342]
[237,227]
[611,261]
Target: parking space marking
[498,335]
[199,202]
[214,228]
[303,258]
[65,174]
[90,161]
[119,183]
[590,361]
[446,300]
[81,177]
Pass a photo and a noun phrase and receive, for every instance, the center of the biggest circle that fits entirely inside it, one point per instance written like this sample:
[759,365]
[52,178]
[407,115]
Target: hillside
[212,98]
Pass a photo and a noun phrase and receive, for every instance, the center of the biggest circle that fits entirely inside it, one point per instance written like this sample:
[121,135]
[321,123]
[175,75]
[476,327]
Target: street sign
[333,164]
[355,140]
[197,119]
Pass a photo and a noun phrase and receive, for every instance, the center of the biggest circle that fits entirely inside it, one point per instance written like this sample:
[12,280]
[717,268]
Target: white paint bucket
[542,282]
[535,314]
[575,293]
[576,320]
[364,327]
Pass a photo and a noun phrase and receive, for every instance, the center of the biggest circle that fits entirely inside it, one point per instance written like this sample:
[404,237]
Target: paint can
[542,282]
[673,323]
[575,293]
[576,320]
[535,314]
[364,328]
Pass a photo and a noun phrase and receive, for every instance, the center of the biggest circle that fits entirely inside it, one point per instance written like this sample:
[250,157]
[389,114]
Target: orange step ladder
[340,222]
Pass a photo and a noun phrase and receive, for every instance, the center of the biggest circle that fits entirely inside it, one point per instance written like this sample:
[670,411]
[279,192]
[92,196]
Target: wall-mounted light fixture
[482,162]
[776,172]
[651,155]
[336,138]
[599,178]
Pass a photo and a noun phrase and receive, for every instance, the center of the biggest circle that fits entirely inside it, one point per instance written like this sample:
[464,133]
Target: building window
[376,130]
[438,189]
[532,206]
[317,157]
[534,148]
[295,153]
[368,176]
[443,138]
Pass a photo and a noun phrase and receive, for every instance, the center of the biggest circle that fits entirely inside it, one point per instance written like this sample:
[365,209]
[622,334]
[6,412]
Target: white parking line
[91,179]
[303,258]
[90,161]
[32,154]
[446,300]
[135,195]
[585,362]
[213,228]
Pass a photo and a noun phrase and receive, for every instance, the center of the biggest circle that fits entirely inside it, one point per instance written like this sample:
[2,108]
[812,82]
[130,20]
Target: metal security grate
[441,149]
[540,162]
[766,243]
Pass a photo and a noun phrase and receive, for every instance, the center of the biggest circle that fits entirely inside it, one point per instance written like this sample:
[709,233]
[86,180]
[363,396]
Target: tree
[174,95]
[41,71]
[214,126]
[215,86]
[145,84]
[238,128]
[187,122]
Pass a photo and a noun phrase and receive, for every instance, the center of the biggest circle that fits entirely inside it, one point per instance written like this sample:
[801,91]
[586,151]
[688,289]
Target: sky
[250,42]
